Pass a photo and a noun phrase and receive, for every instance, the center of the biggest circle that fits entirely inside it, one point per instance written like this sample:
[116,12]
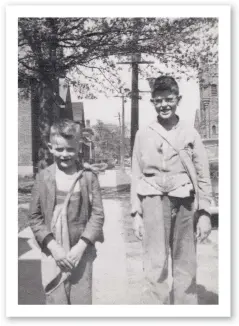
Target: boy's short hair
[65,128]
[165,83]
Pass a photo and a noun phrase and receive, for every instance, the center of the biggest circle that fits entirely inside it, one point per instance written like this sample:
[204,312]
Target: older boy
[66,217]
[170,181]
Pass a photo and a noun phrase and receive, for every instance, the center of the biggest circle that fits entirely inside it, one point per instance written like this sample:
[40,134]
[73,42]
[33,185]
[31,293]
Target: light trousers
[169,228]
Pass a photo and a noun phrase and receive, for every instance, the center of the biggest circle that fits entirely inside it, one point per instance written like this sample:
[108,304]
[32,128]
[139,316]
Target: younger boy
[170,181]
[66,217]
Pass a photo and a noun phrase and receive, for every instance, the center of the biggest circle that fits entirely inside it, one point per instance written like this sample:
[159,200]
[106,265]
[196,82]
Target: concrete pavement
[118,266]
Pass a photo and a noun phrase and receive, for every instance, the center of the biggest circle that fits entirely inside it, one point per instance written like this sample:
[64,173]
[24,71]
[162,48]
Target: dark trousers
[78,288]
[169,228]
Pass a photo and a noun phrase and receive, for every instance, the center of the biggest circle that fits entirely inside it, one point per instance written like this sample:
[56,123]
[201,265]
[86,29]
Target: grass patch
[25,184]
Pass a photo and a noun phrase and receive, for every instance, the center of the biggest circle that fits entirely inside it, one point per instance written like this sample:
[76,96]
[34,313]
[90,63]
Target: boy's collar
[51,169]
[174,127]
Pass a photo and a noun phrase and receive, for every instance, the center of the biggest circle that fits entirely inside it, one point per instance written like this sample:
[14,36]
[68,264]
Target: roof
[197,121]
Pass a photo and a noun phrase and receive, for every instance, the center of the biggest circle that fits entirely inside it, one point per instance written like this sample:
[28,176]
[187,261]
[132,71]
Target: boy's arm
[201,164]
[36,218]
[136,173]
[94,227]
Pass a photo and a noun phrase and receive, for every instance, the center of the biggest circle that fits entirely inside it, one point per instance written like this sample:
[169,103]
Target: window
[214,90]
[214,130]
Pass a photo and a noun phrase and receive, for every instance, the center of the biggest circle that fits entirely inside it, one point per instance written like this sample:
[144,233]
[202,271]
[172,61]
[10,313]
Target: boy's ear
[179,98]
[49,145]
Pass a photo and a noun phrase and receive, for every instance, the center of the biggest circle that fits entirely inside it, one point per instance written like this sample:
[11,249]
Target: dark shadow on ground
[30,291]
[206,297]
[22,218]
[23,246]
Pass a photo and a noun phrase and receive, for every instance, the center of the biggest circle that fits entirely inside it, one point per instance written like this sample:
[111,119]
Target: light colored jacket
[157,166]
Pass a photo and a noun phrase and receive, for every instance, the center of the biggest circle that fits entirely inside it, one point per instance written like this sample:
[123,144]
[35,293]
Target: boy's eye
[69,149]
[167,100]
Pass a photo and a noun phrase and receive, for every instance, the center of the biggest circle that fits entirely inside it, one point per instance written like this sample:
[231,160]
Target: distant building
[78,113]
[87,147]
[206,119]
[208,126]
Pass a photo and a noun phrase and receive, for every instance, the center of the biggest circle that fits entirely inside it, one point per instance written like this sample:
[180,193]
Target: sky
[107,109]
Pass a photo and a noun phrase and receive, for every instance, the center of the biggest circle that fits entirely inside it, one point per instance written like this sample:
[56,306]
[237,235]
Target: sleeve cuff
[204,205]
[47,239]
[87,241]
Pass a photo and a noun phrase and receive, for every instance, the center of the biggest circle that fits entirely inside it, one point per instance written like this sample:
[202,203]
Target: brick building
[24,131]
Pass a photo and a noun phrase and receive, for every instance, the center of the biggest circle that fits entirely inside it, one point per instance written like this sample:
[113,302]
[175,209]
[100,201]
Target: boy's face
[65,151]
[165,103]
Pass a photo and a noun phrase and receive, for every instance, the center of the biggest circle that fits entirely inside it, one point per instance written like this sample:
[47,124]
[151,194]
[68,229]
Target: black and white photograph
[117,127]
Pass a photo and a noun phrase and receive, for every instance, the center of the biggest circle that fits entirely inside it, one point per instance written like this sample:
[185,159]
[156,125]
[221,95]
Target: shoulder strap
[88,177]
[186,162]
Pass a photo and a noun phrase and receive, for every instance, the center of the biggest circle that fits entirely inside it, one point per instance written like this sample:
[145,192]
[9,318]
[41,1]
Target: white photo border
[223,309]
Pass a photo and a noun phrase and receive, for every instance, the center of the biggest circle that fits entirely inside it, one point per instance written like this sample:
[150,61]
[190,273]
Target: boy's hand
[59,255]
[76,253]
[204,227]
[138,226]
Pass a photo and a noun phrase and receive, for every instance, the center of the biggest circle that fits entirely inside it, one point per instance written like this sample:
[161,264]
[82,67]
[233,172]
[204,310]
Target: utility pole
[121,153]
[122,135]
[122,127]
[119,120]
[135,62]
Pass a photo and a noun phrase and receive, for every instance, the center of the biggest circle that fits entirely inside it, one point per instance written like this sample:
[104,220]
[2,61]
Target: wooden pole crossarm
[131,62]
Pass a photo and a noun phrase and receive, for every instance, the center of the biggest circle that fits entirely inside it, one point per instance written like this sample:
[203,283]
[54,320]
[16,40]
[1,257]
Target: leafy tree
[86,50]
[107,141]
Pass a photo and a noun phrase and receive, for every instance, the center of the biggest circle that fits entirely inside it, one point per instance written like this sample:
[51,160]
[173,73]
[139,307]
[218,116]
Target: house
[28,131]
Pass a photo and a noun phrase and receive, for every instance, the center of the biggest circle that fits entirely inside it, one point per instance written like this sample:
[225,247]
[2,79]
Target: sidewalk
[110,275]
[118,267]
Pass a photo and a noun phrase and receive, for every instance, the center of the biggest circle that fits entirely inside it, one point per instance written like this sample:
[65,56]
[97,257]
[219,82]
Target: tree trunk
[47,108]
[48,113]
